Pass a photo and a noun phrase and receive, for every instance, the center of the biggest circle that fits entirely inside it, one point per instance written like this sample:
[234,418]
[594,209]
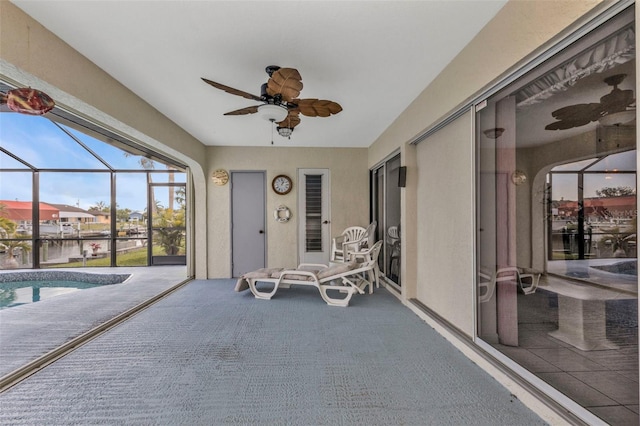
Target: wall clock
[220,177]
[282,184]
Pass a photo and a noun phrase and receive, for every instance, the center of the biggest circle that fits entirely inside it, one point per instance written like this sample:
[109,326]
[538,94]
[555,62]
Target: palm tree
[170,230]
[617,243]
[11,242]
[100,206]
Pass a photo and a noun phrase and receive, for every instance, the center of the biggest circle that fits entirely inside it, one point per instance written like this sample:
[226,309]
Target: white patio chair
[486,286]
[528,282]
[366,256]
[366,241]
[349,235]
[393,244]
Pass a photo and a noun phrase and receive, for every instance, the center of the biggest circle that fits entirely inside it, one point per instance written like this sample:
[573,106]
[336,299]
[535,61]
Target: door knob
[261,231]
[326,222]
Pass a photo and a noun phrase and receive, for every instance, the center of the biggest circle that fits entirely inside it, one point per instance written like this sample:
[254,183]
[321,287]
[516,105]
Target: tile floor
[605,382]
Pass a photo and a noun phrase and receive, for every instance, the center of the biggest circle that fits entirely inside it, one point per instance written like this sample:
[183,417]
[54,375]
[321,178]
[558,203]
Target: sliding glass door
[385,209]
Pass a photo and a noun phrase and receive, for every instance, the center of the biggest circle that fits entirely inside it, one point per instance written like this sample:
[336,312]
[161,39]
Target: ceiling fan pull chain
[272,124]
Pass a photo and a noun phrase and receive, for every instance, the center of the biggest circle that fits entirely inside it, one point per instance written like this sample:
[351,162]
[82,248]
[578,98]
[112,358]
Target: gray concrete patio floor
[206,355]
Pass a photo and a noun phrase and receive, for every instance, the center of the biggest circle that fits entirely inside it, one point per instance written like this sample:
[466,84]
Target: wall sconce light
[27,101]
[518,177]
[494,133]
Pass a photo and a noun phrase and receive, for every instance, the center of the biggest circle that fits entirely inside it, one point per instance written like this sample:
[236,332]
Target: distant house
[20,213]
[599,208]
[101,217]
[136,216]
[71,214]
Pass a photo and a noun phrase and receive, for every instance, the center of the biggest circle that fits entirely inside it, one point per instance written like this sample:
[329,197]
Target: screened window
[75,195]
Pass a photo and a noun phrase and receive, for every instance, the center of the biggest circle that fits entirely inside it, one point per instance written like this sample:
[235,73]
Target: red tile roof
[21,210]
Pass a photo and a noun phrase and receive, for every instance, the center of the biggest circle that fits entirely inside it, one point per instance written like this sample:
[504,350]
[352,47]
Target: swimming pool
[19,288]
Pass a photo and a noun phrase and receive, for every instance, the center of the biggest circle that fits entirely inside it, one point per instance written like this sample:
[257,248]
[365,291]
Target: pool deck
[31,330]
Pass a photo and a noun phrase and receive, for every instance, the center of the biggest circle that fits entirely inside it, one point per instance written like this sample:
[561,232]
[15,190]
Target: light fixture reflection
[494,133]
[618,118]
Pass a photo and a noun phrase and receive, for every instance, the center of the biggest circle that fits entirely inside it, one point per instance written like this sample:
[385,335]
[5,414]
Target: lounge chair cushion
[298,277]
[264,273]
[323,273]
[242,284]
[337,269]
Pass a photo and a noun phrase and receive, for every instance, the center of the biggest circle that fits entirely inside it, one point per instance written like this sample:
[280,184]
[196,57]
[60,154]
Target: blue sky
[43,145]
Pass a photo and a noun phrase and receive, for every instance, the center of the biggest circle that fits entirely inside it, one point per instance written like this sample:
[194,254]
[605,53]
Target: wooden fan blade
[562,125]
[244,111]
[317,107]
[286,82]
[575,116]
[232,90]
[617,100]
[292,120]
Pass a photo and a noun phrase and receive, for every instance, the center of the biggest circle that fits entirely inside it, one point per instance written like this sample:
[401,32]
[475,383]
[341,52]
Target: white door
[247,222]
[314,222]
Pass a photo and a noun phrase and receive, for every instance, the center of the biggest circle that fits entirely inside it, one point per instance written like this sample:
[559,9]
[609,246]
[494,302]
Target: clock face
[281,184]
[220,177]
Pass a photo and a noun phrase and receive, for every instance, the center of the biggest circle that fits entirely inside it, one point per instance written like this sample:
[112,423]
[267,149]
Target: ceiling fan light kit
[280,103]
[271,112]
[285,132]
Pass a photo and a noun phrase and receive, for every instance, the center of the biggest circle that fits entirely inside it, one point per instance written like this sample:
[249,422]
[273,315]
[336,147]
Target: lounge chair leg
[333,301]
[262,294]
[350,284]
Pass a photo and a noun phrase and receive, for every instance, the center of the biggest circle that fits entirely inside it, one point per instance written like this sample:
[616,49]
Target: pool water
[16,293]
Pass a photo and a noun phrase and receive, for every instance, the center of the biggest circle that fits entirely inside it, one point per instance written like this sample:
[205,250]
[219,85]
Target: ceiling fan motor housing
[266,97]
[270,69]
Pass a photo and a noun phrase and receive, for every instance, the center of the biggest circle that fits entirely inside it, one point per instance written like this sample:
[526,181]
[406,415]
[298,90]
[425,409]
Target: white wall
[349,197]
[445,225]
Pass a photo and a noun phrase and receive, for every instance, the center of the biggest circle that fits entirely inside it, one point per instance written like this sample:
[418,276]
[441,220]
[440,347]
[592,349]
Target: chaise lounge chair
[342,278]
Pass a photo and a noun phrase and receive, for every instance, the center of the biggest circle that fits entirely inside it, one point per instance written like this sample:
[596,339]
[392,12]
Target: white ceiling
[372,57]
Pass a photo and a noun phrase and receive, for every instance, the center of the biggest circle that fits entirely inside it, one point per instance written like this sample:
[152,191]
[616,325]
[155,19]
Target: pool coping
[47,275]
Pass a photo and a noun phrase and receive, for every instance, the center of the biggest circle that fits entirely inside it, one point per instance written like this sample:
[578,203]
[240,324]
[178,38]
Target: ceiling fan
[280,103]
[607,111]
